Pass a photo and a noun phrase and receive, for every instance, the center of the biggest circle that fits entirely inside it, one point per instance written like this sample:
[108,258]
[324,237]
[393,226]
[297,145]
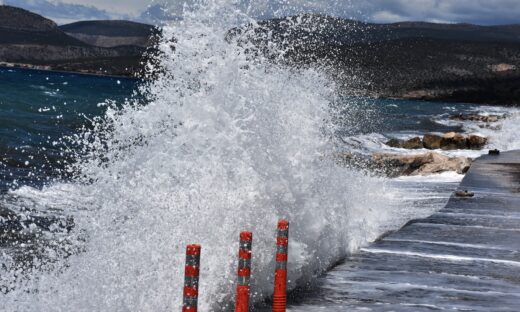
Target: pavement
[465,257]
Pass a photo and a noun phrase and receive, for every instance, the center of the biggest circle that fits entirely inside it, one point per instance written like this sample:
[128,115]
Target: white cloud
[122,7]
[387,17]
[460,11]
[60,12]
[467,11]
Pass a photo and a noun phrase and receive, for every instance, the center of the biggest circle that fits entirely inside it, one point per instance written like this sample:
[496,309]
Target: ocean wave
[224,143]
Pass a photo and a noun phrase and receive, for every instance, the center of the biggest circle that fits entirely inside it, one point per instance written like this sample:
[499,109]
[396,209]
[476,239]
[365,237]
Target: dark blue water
[38,109]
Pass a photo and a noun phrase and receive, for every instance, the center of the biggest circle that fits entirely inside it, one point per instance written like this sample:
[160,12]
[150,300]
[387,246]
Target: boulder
[441,163]
[414,143]
[477,142]
[475,117]
[421,164]
[395,143]
[491,118]
[448,141]
[453,141]
[432,141]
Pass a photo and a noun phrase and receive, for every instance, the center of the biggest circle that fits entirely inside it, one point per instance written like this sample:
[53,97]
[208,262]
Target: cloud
[121,7]
[60,12]
[387,17]
[159,13]
[382,11]
[453,11]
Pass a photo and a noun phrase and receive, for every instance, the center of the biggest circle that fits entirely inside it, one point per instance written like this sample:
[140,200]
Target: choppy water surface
[218,143]
[38,109]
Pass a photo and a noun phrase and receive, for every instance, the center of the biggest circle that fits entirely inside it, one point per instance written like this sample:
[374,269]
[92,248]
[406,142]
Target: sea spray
[225,142]
[506,137]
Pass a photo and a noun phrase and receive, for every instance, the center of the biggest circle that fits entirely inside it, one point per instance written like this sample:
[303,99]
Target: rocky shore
[396,165]
[421,164]
[447,141]
[430,158]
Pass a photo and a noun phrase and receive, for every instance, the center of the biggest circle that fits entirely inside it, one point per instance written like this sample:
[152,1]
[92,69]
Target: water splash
[506,137]
[225,142]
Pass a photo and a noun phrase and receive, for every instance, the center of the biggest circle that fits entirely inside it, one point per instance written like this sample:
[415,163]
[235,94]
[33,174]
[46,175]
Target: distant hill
[23,20]
[415,60]
[111,33]
[28,39]
[110,28]
[332,30]
[460,32]
[18,26]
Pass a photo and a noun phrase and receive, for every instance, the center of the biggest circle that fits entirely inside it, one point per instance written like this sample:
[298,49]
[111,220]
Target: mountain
[111,33]
[18,26]
[30,40]
[23,20]
[413,60]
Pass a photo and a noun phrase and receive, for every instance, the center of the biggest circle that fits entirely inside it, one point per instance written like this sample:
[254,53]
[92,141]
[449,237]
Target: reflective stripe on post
[280,276]
[244,272]
[191,278]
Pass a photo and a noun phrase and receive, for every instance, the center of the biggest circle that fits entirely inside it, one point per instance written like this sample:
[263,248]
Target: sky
[483,12]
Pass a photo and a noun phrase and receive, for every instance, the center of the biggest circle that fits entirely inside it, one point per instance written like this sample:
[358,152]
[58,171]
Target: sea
[105,180]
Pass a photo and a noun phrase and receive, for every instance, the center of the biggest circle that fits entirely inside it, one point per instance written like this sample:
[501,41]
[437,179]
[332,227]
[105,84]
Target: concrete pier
[463,258]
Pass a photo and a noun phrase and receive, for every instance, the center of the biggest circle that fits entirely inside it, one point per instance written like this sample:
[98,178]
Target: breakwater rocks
[395,165]
[475,117]
[421,164]
[447,141]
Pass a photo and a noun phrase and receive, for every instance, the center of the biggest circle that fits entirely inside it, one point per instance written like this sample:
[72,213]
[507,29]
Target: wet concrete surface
[465,257]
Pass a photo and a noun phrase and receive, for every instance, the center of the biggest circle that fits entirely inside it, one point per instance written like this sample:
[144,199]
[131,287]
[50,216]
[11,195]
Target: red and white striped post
[191,279]
[280,276]
[244,272]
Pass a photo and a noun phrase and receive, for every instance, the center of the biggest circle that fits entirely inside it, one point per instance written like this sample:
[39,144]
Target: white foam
[223,144]
[442,257]
[442,243]
[444,177]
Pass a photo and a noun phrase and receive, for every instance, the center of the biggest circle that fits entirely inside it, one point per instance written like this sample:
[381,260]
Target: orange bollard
[280,276]
[191,279]
[244,272]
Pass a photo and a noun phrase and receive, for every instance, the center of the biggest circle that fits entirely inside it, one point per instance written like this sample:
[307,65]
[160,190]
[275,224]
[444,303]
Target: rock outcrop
[432,141]
[448,141]
[454,141]
[414,143]
[474,117]
[22,20]
[421,164]
[110,34]
[31,41]
[476,141]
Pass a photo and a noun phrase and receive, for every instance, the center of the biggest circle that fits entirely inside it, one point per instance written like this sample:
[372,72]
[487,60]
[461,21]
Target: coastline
[372,96]
[47,68]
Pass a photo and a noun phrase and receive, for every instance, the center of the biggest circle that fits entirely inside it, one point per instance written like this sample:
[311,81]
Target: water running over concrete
[463,258]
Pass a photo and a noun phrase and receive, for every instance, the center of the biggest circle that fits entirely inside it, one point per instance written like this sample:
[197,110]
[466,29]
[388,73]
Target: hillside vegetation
[30,40]
[449,62]
[412,60]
